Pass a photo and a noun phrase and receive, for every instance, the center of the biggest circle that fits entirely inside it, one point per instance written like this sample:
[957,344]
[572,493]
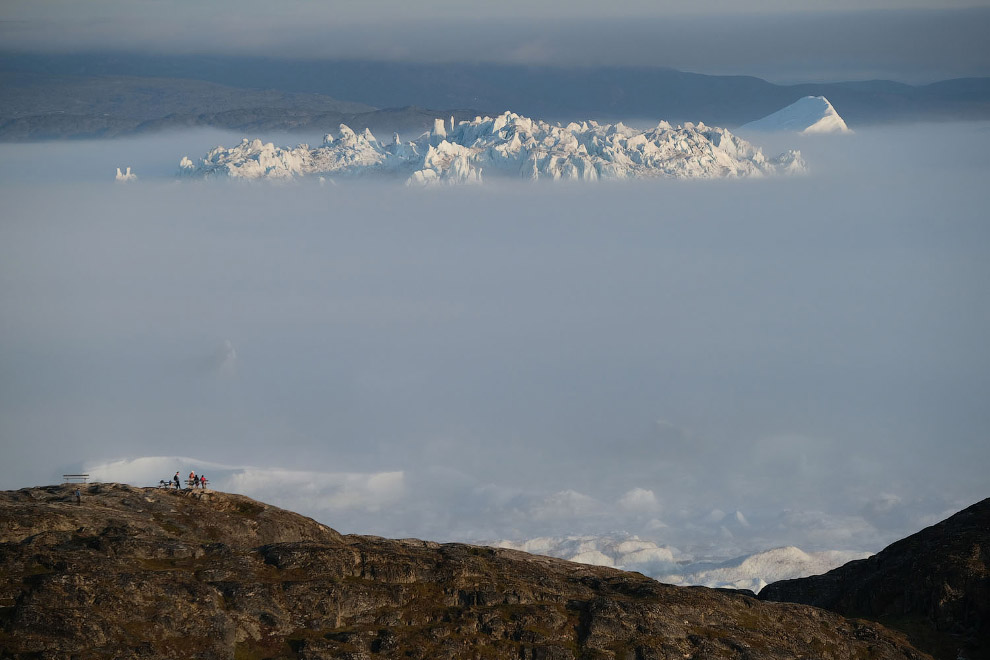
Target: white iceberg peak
[811,114]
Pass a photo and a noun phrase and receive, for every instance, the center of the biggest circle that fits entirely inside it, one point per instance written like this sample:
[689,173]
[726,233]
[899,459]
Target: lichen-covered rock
[147,573]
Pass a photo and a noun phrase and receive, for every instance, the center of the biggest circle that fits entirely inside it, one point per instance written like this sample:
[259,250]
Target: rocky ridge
[149,573]
[933,585]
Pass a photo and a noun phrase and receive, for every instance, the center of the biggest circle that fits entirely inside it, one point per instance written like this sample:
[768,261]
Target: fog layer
[515,360]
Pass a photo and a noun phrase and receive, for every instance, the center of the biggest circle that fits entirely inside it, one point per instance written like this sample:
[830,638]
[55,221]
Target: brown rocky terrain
[147,573]
[933,585]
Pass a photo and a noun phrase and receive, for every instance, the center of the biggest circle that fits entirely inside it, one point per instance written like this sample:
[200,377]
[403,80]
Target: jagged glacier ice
[507,145]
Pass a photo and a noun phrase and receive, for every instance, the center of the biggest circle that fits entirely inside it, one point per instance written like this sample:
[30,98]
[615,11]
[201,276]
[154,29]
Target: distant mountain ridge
[46,106]
[551,93]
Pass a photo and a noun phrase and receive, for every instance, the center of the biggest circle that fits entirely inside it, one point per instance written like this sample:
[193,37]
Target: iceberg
[125,176]
[508,145]
[811,114]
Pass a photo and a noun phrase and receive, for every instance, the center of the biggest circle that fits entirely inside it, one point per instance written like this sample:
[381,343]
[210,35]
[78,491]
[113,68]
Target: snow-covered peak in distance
[811,114]
[508,145]
[670,565]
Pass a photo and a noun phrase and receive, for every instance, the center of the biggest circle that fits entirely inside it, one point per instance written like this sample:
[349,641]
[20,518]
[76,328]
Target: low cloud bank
[321,494]
[695,547]
[673,566]
[722,367]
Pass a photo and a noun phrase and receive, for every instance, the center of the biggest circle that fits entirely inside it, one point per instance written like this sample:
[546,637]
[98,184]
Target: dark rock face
[146,573]
[933,585]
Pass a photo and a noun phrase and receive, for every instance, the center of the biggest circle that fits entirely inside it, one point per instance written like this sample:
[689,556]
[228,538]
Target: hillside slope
[132,572]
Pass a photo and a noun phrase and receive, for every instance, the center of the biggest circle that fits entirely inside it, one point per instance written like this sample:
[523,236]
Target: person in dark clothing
[176,480]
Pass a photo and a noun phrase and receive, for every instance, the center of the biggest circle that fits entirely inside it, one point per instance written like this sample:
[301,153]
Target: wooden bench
[75,478]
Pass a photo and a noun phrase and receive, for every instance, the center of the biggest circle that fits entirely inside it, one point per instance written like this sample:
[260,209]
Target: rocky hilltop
[147,573]
[933,585]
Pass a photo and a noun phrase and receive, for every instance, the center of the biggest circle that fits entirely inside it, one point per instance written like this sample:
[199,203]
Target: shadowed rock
[933,585]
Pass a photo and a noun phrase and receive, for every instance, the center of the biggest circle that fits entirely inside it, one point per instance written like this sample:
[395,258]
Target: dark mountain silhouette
[32,92]
[41,106]
[933,585]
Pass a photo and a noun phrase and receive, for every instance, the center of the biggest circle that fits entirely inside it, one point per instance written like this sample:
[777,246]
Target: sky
[909,41]
[383,10]
[513,360]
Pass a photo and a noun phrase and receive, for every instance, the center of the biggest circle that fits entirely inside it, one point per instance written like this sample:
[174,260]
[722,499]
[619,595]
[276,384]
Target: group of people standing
[194,481]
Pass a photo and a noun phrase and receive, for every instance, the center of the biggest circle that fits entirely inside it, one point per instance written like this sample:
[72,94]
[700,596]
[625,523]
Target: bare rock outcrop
[148,573]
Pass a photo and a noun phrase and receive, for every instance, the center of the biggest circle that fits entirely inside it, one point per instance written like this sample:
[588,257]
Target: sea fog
[514,359]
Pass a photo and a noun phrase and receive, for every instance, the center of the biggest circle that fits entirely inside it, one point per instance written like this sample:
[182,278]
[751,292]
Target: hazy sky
[382,10]
[917,41]
[513,360]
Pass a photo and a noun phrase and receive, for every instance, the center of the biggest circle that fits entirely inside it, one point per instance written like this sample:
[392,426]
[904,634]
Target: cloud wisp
[325,494]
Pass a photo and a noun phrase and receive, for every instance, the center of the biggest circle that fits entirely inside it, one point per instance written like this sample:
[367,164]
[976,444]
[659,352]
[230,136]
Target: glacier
[807,115]
[508,145]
